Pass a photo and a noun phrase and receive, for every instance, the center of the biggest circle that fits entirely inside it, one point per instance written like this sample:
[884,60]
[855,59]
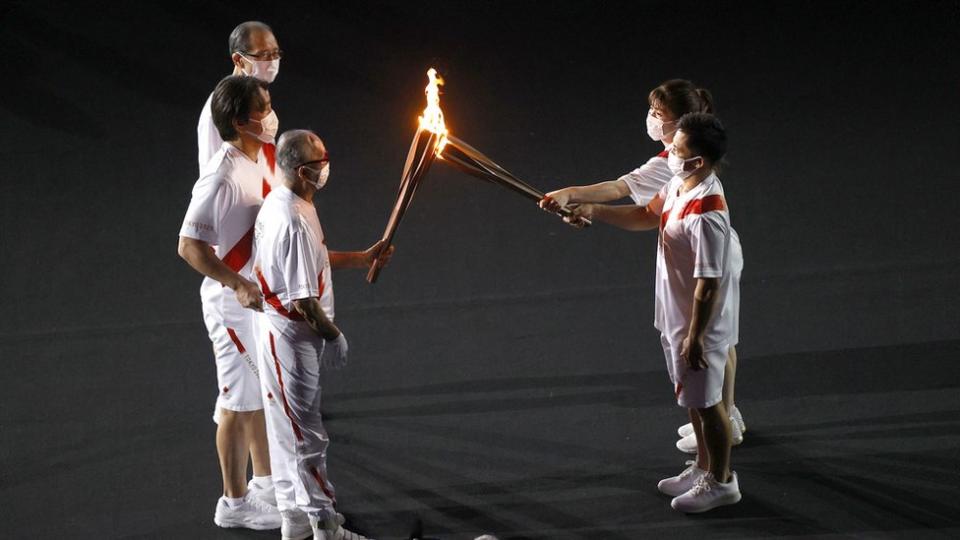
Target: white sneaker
[295,525]
[332,529]
[735,415]
[685,430]
[251,514]
[708,494]
[267,495]
[683,482]
[688,444]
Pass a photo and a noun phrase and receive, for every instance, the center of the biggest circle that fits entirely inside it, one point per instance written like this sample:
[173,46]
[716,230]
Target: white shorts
[234,348]
[696,389]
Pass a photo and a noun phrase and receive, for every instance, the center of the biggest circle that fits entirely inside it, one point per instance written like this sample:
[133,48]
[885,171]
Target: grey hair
[294,148]
[240,37]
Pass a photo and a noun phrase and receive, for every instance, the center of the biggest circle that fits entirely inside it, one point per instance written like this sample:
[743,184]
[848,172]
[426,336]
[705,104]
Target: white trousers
[290,373]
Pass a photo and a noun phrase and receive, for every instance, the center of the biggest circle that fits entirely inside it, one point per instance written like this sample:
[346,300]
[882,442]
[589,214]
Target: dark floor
[505,376]
[486,417]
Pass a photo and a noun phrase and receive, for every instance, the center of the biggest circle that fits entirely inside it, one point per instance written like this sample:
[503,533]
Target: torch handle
[419,159]
[473,162]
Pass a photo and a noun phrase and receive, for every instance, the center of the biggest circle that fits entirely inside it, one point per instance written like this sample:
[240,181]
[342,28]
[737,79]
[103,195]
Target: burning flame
[432,119]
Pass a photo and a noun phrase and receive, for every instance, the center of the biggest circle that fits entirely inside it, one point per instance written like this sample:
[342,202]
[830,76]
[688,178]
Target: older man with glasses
[254,52]
[298,338]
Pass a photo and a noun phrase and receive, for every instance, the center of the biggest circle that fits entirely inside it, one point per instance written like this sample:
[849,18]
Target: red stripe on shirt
[240,253]
[270,152]
[236,340]
[709,203]
[266,188]
[273,300]
[664,154]
[283,394]
[663,219]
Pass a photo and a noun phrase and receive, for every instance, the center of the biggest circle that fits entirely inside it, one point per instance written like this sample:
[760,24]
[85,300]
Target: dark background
[505,374]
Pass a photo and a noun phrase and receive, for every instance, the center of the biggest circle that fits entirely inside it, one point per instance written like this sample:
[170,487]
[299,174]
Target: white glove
[334,354]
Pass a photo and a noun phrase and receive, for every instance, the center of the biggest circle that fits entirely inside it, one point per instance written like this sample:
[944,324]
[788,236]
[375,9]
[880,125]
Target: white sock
[233,503]
[263,482]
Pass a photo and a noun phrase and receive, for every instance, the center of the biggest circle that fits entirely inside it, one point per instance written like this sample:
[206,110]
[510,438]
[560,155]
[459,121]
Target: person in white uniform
[298,337]
[216,239]
[668,102]
[253,52]
[699,262]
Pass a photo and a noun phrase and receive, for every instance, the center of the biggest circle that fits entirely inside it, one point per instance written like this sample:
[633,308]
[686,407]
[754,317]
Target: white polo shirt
[292,262]
[697,241]
[647,180]
[223,208]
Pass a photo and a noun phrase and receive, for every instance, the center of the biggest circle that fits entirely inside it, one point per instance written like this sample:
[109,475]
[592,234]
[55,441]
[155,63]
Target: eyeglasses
[324,159]
[275,54]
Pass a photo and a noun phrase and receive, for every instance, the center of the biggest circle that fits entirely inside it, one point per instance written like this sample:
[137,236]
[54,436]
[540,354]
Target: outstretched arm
[359,259]
[602,192]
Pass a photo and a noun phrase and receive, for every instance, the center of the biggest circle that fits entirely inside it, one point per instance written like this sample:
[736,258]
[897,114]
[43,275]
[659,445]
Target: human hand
[334,354]
[374,252]
[691,352]
[580,212]
[248,295]
[555,200]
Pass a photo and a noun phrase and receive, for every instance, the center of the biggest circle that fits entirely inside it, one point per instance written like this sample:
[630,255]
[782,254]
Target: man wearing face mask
[699,263]
[254,52]
[298,337]
[216,239]
[668,103]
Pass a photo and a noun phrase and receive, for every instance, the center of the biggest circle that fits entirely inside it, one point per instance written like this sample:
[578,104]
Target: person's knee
[238,418]
[714,412]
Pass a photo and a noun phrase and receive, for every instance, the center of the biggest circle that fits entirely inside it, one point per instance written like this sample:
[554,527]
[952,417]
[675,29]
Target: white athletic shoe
[332,529]
[735,416]
[683,482]
[295,525]
[267,495]
[708,494]
[252,514]
[688,444]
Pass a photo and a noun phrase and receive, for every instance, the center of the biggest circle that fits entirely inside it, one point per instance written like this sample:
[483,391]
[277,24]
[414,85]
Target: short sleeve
[709,237]
[208,138]
[646,181]
[212,197]
[300,265]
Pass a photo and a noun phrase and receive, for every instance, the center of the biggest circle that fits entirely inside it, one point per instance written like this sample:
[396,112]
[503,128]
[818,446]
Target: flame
[432,119]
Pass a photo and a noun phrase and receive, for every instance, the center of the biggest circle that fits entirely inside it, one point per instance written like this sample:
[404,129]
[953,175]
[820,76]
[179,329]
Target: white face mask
[265,70]
[655,127]
[322,177]
[677,164]
[269,125]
